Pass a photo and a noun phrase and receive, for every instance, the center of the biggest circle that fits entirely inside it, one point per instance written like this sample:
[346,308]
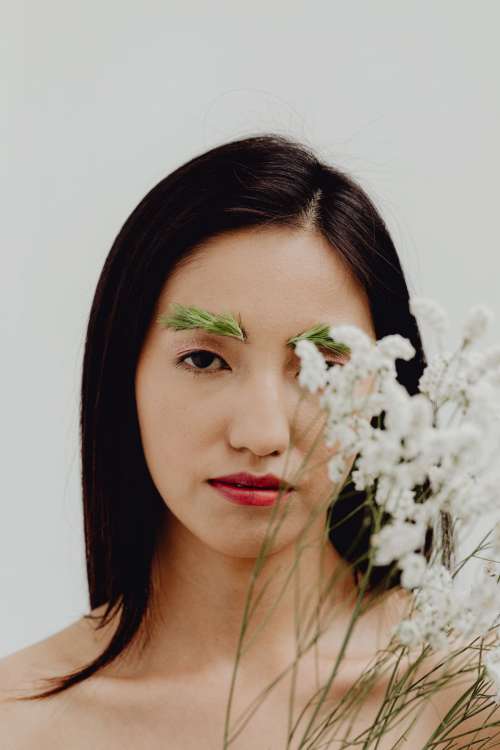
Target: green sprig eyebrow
[226,324]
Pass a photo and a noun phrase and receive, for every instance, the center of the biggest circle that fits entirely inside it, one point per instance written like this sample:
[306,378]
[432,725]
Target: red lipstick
[251,489]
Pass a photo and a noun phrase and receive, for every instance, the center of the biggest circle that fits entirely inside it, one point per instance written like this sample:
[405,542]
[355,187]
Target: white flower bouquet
[429,466]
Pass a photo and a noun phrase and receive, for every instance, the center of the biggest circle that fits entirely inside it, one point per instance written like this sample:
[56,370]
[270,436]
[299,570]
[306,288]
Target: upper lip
[269,481]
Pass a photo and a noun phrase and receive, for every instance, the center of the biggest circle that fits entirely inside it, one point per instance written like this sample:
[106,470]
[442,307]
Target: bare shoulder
[461,703]
[28,724]
[24,722]
[463,708]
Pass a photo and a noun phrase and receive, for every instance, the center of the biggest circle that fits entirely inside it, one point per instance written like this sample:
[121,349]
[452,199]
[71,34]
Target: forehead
[273,278]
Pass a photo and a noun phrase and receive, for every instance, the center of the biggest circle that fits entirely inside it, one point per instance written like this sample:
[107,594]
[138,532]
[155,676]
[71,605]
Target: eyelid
[180,361]
[204,341]
[201,346]
[182,356]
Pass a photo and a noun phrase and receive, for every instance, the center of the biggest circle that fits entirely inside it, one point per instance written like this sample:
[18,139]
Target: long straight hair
[267,179]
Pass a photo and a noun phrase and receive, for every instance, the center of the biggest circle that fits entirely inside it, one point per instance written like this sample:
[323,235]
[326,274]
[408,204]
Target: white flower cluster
[313,368]
[427,311]
[446,610]
[447,435]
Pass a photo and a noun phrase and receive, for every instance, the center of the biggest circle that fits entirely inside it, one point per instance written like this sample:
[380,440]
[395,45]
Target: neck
[199,604]
[201,600]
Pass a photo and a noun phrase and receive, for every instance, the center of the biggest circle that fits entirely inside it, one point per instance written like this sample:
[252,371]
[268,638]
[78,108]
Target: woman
[260,228]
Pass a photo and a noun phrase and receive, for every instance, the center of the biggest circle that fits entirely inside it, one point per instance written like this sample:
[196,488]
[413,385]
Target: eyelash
[195,371]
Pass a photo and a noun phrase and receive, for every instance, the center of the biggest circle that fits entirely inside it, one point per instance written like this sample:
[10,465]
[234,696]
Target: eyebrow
[186,317]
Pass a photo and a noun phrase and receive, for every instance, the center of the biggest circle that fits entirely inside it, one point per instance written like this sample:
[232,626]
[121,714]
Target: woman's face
[236,414]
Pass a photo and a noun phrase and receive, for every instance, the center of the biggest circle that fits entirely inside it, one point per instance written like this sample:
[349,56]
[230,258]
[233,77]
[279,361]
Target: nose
[262,420]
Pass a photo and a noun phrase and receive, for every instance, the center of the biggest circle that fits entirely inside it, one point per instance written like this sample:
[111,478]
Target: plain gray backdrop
[102,100]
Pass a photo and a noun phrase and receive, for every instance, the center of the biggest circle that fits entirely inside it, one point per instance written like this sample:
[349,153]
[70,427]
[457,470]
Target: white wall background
[102,100]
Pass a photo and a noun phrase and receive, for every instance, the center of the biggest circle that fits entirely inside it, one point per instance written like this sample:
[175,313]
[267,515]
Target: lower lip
[249,496]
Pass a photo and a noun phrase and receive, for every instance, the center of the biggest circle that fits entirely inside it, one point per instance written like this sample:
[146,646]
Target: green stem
[345,642]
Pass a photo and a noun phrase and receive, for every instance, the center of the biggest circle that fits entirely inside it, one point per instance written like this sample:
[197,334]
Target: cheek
[164,425]
[177,427]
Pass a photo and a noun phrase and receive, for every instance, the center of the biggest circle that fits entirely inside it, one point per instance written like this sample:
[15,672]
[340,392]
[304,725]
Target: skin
[195,427]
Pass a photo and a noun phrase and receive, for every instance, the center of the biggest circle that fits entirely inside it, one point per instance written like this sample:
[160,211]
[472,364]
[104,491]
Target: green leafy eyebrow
[225,324]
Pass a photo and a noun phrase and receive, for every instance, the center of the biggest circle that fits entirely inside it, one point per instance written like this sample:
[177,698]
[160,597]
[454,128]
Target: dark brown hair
[263,180]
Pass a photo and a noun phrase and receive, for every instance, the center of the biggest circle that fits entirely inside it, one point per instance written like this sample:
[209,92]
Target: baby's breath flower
[480,605]
[345,435]
[432,381]
[313,366]
[445,437]
[477,321]
[413,567]
[409,633]
[401,504]
[336,468]
[396,346]
[355,338]
[397,408]
[395,540]
[428,311]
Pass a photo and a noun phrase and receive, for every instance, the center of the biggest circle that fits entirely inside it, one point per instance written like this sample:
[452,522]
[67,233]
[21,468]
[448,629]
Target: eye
[331,362]
[199,358]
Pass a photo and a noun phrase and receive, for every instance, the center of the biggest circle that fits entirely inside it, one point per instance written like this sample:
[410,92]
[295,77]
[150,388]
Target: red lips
[263,481]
